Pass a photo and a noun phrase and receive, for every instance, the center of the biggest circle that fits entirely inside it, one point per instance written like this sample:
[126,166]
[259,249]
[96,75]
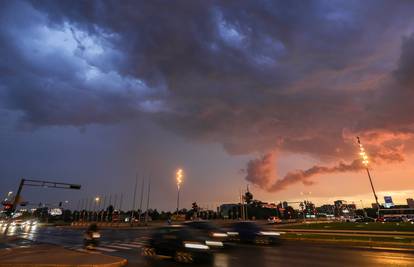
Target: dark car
[250,232]
[178,242]
[365,219]
[393,219]
[215,237]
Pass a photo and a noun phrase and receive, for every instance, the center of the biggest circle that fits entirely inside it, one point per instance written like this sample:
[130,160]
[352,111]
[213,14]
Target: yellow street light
[179,178]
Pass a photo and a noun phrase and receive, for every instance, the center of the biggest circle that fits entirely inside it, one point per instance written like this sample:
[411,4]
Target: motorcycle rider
[91,236]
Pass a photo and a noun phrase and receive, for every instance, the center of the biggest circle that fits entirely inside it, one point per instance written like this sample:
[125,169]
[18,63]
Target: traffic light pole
[40,183]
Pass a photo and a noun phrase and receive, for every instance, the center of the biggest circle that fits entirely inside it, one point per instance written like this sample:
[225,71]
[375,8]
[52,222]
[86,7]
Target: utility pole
[241,204]
[115,201]
[362,205]
[120,202]
[142,197]
[245,211]
[133,201]
[148,199]
[103,210]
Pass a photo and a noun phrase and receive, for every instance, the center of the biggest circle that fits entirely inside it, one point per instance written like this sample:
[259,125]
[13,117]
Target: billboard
[388,202]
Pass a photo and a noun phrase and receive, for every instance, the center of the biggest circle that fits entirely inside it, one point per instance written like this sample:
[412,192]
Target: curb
[359,244]
[123,262]
[55,256]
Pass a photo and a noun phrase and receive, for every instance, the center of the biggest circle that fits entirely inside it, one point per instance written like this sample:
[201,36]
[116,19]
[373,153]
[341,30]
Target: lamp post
[96,203]
[305,203]
[179,179]
[97,199]
[365,162]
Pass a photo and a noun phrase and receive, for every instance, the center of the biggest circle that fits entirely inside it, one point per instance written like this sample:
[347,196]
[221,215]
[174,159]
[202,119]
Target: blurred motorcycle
[91,237]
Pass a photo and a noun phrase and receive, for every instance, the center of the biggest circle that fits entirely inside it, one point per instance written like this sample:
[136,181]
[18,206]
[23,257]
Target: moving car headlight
[196,246]
[232,233]
[270,233]
[96,235]
[214,243]
[220,235]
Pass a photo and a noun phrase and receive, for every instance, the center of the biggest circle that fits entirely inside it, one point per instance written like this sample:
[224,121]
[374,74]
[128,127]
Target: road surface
[127,243]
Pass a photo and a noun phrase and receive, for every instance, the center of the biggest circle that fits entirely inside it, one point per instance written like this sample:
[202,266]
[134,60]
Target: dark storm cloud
[255,76]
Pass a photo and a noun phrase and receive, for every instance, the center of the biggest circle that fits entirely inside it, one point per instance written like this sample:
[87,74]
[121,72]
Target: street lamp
[365,162]
[97,199]
[179,179]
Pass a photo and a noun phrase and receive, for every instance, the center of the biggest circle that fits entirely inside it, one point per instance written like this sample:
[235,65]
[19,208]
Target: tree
[248,197]
[194,207]
[110,211]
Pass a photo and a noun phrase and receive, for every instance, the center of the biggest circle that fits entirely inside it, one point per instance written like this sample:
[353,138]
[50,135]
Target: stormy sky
[271,93]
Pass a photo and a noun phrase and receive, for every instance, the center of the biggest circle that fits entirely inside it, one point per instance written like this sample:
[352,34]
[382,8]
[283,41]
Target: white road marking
[118,247]
[129,245]
[138,243]
[105,249]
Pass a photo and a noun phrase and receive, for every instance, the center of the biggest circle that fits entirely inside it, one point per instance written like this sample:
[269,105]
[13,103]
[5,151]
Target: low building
[343,209]
[410,202]
[229,211]
[326,210]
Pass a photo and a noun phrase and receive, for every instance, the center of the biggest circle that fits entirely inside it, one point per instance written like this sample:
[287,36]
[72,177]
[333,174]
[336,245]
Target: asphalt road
[127,243]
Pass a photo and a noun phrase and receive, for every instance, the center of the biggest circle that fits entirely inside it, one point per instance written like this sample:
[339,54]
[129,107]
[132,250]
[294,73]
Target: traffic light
[60,204]
[75,186]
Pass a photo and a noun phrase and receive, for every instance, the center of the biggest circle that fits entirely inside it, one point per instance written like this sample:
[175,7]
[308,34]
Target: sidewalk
[56,256]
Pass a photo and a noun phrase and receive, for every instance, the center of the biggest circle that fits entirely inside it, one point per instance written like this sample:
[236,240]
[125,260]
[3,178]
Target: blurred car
[215,237]
[352,219]
[250,232]
[393,219]
[29,223]
[274,220]
[179,243]
[365,219]
[17,222]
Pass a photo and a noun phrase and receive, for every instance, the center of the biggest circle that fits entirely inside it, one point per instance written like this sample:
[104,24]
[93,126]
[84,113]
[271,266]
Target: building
[388,202]
[268,205]
[229,211]
[343,209]
[326,210]
[410,202]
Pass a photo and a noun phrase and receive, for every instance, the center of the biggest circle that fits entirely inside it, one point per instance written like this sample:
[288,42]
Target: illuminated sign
[388,202]
[55,212]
